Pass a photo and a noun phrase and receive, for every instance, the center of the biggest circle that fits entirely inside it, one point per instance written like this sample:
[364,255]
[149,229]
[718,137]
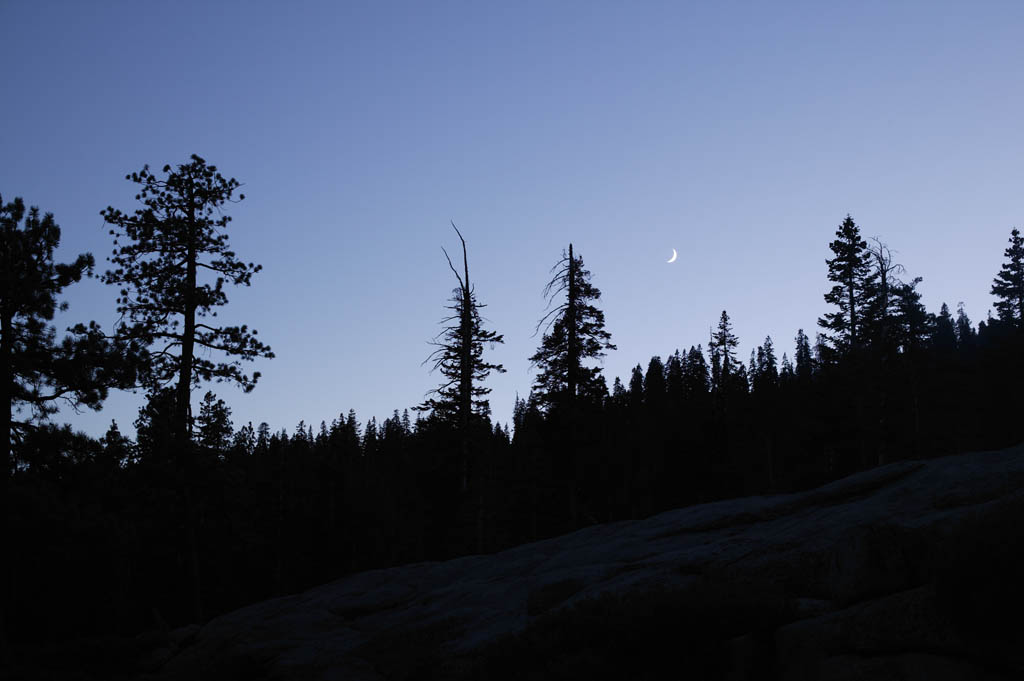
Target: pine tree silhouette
[459,358]
[674,384]
[944,333]
[882,299]
[654,384]
[723,351]
[1008,286]
[850,270]
[574,333]
[804,359]
[565,387]
[36,371]
[214,428]
[966,336]
[696,376]
[912,323]
[765,376]
[161,252]
[636,387]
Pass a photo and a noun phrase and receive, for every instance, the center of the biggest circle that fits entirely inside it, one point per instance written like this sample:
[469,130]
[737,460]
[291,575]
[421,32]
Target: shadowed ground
[904,572]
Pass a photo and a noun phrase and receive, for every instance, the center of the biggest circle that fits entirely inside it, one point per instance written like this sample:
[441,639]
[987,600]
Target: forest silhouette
[198,515]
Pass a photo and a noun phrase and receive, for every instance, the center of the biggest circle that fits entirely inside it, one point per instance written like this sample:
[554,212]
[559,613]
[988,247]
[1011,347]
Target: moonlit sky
[740,134]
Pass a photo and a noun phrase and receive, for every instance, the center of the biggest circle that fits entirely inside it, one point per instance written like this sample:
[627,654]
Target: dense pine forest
[197,514]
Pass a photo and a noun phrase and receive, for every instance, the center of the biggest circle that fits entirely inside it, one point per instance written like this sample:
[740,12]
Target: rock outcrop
[910,571]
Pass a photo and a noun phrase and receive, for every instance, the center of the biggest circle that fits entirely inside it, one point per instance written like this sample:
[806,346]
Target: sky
[738,133]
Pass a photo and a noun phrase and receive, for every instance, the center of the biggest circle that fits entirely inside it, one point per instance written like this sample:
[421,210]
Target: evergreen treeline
[196,516]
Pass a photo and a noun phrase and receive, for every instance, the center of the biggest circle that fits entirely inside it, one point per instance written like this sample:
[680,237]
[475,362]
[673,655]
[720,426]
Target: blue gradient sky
[738,133]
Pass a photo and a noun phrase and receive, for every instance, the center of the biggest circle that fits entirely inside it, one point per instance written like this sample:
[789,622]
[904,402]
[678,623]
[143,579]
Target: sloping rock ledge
[909,571]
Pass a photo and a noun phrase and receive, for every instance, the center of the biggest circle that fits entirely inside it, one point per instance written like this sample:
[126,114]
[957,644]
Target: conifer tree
[882,298]
[696,376]
[740,379]
[966,336]
[574,333]
[619,394]
[370,438]
[518,414]
[214,424]
[154,424]
[674,377]
[38,373]
[636,387]
[654,383]
[303,435]
[804,365]
[117,449]
[724,343]
[243,443]
[459,357]
[163,252]
[820,353]
[766,376]
[944,332]
[263,438]
[716,364]
[1008,285]
[913,325]
[786,374]
[850,270]
[459,353]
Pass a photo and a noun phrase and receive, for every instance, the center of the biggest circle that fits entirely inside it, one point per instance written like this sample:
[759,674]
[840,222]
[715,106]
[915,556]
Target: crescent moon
[674,256]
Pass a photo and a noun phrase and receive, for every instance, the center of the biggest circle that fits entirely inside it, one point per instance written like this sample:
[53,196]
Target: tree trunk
[465,385]
[533,478]
[481,481]
[572,385]
[6,380]
[182,406]
[330,540]
[465,368]
[571,323]
[853,314]
[279,539]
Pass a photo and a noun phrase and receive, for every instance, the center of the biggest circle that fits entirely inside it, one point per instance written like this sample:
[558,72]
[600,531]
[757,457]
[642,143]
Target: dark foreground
[909,571]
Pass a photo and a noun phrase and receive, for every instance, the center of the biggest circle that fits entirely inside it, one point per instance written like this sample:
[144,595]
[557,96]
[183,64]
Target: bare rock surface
[901,572]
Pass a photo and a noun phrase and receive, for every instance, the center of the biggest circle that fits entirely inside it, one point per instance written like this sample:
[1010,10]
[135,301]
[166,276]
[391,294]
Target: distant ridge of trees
[114,533]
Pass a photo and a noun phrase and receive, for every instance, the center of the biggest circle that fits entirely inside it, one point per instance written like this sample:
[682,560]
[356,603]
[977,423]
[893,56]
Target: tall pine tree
[1008,286]
[163,252]
[723,352]
[804,358]
[459,357]
[37,373]
[458,353]
[944,332]
[850,271]
[575,333]
[882,306]
[696,376]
